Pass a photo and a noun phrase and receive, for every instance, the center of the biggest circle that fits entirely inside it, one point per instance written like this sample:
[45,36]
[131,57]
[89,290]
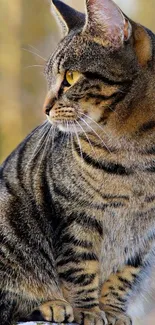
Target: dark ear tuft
[69,18]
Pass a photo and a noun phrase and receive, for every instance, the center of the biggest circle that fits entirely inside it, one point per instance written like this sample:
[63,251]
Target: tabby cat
[77,213]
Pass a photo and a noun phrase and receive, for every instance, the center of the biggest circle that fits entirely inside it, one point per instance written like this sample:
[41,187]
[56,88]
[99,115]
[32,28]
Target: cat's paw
[118,320]
[90,318]
[57,311]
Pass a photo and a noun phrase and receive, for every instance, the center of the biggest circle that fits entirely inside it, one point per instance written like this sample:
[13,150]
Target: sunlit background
[28,33]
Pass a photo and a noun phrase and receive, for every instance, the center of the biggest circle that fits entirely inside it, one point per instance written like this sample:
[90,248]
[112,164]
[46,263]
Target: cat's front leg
[79,270]
[80,288]
[115,295]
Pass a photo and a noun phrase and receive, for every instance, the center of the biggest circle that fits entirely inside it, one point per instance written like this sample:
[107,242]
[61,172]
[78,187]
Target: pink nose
[48,104]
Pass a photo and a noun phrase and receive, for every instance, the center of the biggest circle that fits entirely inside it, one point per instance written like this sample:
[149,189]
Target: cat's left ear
[69,18]
[106,22]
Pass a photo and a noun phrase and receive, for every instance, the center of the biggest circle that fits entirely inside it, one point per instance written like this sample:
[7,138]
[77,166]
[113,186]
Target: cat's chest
[119,201]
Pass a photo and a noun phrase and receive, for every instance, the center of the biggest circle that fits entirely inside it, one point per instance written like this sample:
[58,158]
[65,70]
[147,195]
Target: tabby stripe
[101,97]
[70,256]
[146,213]
[9,246]
[150,199]
[83,279]
[121,288]
[27,239]
[87,291]
[134,275]
[104,197]
[88,306]
[117,100]
[103,206]
[10,189]
[126,282]
[2,255]
[105,295]
[105,80]
[88,299]
[68,238]
[66,275]
[111,288]
[66,261]
[115,308]
[108,167]
[117,197]
[66,193]
[9,271]
[87,256]
[97,145]
[80,256]
[81,219]
[59,57]
[135,261]
[150,169]
[150,151]
[116,295]
[147,126]
[12,253]
[62,191]
[90,223]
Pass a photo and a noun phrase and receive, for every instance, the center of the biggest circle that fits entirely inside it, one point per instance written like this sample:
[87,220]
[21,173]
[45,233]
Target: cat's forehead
[76,52]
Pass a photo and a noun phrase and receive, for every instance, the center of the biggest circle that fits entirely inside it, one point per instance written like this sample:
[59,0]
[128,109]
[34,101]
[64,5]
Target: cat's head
[91,72]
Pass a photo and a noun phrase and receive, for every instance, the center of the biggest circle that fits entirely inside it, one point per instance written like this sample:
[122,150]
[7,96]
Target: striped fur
[77,204]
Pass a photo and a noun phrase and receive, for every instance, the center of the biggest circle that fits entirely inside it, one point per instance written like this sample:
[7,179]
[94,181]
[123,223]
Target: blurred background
[28,34]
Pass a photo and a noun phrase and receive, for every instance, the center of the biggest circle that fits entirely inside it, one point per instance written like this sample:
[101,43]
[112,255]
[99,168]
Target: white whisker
[66,135]
[34,48]
[72,144]
[100,127]
[34,54]
[79,143]
[46,142]
[40,144]
[63,137]
[95,133]
[53,135]
[87,139]
[34,66]
[112,110]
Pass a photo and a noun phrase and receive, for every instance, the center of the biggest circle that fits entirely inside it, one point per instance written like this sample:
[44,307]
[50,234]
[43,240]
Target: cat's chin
[67,127]
[76,126]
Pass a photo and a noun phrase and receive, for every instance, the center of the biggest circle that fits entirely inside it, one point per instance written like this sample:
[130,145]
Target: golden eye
[72,77]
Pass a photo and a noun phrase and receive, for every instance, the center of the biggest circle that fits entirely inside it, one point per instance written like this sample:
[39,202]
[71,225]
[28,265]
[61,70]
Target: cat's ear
[69,18]
[106,22]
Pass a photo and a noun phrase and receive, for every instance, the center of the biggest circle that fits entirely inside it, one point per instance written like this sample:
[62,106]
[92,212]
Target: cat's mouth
[65,119]
[76,125]
[69,120]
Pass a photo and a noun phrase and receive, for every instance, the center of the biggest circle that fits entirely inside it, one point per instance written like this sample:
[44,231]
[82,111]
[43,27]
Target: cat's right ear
[69,18]
[107,23]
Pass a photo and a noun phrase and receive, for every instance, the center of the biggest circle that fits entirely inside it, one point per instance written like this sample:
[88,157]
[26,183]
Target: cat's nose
[48,104]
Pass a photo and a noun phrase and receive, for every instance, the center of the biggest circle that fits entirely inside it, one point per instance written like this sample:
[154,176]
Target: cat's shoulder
[32,147]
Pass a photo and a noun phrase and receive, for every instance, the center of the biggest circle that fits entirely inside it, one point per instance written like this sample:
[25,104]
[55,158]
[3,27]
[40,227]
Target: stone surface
[41,323]
[36,323]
